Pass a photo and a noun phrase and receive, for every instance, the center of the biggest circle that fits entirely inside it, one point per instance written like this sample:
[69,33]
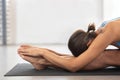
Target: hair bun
[91,28]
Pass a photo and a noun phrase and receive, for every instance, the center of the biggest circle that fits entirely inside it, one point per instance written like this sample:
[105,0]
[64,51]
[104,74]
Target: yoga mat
[25,69]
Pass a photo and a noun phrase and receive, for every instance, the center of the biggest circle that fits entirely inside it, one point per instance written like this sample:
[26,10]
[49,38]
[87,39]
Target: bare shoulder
[113,25]
[114,28]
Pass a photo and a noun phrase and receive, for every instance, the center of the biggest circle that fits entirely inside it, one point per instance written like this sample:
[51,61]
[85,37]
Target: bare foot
[38,66]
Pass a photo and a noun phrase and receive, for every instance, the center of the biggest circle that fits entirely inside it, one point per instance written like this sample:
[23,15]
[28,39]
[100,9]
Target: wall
[111,9]
[53,21]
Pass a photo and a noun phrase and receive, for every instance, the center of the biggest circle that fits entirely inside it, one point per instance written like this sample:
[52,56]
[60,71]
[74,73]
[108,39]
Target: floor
[9,58]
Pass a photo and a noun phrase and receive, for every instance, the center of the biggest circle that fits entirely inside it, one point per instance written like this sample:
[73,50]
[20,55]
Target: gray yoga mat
[25,69]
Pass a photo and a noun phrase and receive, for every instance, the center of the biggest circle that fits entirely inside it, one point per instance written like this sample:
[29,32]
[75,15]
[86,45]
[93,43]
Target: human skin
[110,34]
[107,58]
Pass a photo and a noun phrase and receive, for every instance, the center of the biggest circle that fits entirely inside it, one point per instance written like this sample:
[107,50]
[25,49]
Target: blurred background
[50,21]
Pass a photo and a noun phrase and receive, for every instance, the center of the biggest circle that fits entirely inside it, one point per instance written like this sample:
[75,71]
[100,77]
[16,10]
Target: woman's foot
[38,66]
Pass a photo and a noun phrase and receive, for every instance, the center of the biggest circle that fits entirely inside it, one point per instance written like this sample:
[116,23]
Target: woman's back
[117,29]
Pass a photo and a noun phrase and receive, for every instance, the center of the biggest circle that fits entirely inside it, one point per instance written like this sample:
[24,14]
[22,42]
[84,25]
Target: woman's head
[79,41]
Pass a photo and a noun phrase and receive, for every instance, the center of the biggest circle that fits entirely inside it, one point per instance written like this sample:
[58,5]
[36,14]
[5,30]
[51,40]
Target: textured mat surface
[25,69]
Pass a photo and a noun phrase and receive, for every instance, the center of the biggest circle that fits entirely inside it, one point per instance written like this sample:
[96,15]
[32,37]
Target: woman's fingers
[21,49]
[25,46]
[30,54]
[32,51]
[24,50]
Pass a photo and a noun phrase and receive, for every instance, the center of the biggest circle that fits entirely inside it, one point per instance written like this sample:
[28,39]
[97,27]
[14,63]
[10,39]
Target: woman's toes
[26,46]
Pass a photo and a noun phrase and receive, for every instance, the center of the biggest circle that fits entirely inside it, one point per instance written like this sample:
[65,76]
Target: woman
[91,46]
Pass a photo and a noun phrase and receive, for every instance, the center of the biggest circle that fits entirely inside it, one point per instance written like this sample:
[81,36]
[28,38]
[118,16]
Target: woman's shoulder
[104,23]
[113,28]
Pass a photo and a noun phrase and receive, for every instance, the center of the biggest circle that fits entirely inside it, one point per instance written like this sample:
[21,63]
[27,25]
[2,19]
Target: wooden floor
[9,58]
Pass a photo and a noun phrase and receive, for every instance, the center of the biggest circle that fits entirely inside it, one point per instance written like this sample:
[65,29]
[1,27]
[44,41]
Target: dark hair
[79,40]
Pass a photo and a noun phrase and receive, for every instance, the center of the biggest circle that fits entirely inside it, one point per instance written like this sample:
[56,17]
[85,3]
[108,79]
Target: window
[7,22]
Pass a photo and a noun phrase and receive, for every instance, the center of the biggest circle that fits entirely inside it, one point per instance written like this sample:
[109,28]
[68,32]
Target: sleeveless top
[104,23]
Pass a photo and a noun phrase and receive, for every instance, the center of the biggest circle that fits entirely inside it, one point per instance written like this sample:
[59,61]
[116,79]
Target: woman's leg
[108,58]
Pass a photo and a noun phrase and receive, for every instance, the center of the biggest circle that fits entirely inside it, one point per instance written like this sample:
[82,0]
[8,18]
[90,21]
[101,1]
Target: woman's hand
[32,51]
